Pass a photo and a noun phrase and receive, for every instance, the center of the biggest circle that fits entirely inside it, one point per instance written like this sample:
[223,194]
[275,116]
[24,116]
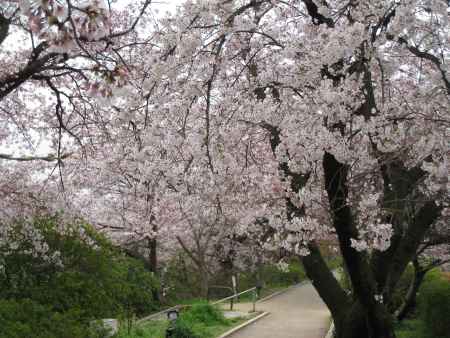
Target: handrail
[211,287]
[177,307]
[154,315]
[233,296]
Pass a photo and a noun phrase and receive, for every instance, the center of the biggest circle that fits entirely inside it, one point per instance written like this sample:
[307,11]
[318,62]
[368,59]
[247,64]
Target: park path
[297,313]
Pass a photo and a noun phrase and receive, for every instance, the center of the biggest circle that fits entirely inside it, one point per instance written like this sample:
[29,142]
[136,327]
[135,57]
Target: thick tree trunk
[4,28]
[409,302]
[377,318]
[352,319]
[357,323]
[352,324]
[324,282]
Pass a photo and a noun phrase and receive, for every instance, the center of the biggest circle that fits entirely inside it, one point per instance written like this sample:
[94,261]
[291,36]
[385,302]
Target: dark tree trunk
[352,324]
[153,257]
[204,282]
[351,318]
[377,318]
[409,302]
[4,28]
[153,260]
[324,282]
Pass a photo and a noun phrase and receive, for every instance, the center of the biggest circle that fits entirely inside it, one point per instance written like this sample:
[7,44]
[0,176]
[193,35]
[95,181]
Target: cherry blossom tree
[323,118]
[54,54]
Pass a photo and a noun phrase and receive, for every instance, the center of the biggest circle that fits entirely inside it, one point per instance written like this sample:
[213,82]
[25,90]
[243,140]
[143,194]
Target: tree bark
[324,282]
[204,282]
[4,28]
[409,302]
[153,257]
[378,319]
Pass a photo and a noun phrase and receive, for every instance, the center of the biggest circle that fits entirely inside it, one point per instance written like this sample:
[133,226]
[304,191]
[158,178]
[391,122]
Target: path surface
[296,313]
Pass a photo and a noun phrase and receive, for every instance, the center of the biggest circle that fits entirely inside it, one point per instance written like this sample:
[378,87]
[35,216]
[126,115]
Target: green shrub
[94,281]
[204,313]
[150,329]
[184,329]
[26,318]
[198,321]
[434,305]
[273,277]
[413,328]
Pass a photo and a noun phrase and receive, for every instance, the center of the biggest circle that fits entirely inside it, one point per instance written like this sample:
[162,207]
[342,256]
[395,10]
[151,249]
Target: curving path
[296,313]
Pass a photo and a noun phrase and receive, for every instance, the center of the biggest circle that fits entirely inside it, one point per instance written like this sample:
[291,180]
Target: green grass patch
[434,304]
[201,320]
[150,329]
[413,328]
[433,310]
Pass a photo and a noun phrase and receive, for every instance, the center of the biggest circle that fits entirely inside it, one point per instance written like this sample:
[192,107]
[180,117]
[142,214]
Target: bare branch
[48,158]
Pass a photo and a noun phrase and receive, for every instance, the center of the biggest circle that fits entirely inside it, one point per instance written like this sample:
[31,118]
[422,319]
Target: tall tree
[322,117]
[346,107]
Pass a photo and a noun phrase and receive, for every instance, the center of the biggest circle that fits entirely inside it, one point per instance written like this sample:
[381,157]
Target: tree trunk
[4,28]
[409,302]
[377,318]
[204,282]
[357,323]
[153,257]
[352,324]
[352,319]
[152,243]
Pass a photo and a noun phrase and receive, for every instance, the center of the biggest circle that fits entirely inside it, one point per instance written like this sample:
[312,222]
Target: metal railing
[235,296]
[161,313]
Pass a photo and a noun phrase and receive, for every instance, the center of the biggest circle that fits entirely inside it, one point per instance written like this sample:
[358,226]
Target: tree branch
[424,55]
[4,28]
[48,158]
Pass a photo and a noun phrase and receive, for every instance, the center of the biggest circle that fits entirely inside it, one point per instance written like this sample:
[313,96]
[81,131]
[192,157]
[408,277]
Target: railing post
[254,300]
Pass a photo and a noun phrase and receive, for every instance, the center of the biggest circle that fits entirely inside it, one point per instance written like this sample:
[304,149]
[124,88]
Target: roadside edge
[239,327]
[330,332]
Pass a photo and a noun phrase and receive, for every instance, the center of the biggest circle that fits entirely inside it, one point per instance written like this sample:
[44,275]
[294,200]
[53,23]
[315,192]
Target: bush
[26,318]
[434,305]
[183,329]
[204,313]
[272,276]
[413,328]
[198,320]
[89,280]
[153,329]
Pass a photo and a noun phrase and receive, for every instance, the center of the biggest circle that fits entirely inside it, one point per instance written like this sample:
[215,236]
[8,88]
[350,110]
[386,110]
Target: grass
[157,329]
[150,329]
[433,310]
[413,328]
[200,321]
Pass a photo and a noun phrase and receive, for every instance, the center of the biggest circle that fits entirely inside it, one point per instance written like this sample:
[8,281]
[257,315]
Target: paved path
[297,313]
